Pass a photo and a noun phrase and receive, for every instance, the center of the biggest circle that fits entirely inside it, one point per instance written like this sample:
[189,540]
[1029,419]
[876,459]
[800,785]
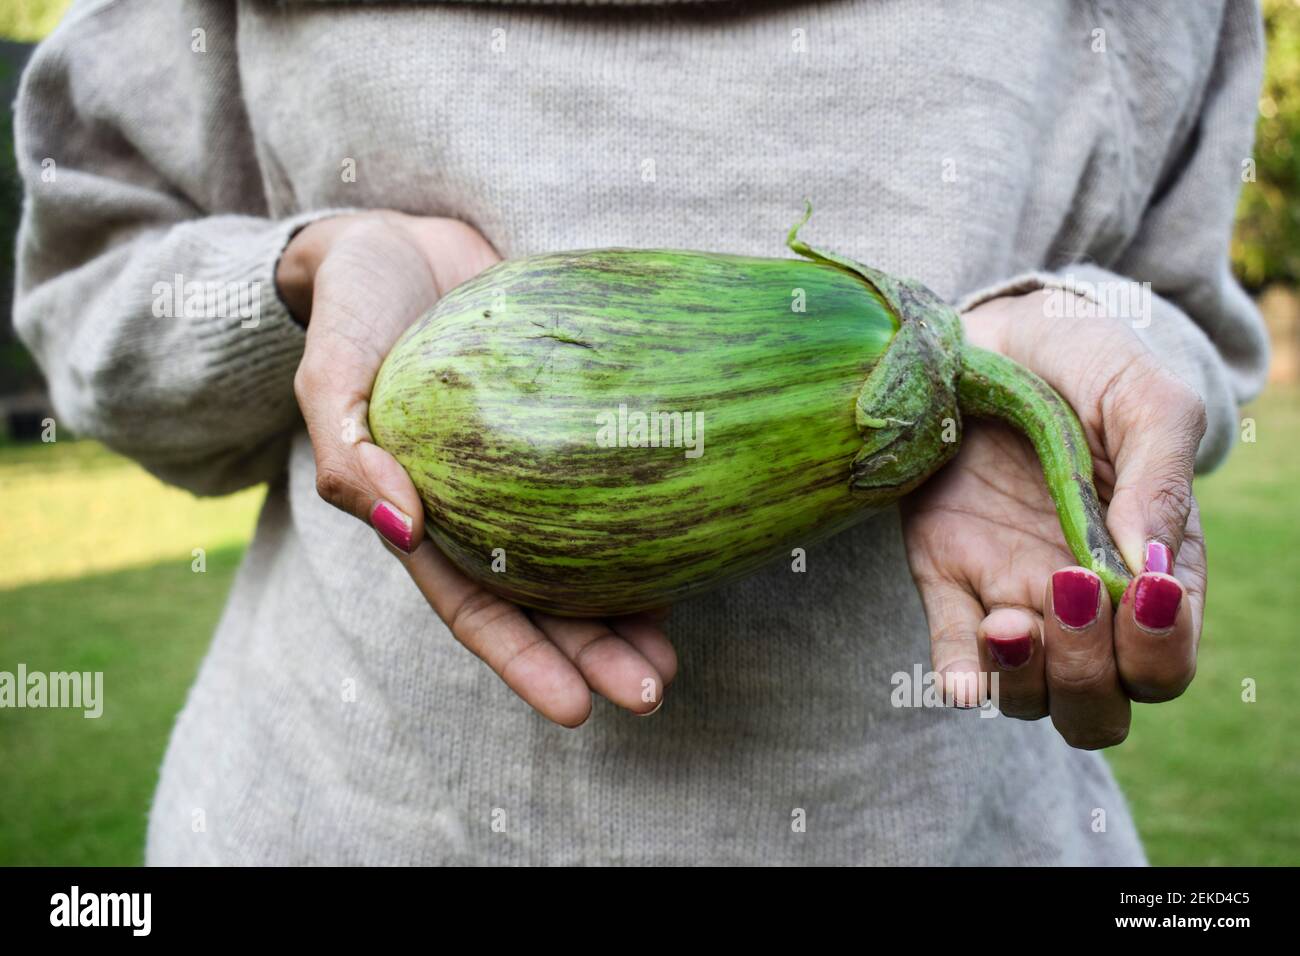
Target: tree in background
[28,21]
[1266,246]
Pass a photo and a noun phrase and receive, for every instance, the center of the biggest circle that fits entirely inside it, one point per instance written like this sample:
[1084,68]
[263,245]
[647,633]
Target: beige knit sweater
[977,147]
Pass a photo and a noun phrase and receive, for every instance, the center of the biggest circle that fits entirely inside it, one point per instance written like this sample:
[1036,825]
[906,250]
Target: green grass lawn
[1212,779]
[96,575]
[77,790]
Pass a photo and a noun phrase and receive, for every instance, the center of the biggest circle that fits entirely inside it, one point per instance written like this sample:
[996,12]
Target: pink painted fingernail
[394,525]
[1155,602]
[1010,652]
[1159,558]
[1075,597]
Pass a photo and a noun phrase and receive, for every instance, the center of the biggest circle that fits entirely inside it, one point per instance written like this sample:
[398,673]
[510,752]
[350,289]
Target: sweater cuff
[253,343]
[1170,334]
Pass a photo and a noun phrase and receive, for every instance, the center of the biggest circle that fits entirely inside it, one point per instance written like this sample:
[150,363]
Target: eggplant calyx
[906,410]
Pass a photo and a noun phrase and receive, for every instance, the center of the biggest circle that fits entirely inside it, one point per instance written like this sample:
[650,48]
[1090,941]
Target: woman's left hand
[1001,591]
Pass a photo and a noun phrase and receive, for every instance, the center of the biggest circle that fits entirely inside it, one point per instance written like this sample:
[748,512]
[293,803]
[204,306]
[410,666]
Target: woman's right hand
[357,281]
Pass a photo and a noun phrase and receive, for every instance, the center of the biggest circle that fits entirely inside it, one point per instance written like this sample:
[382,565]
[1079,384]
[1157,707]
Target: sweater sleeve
[146,257]
[1193,315]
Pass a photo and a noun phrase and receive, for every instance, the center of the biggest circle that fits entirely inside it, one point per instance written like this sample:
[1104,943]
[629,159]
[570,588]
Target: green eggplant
[602,432]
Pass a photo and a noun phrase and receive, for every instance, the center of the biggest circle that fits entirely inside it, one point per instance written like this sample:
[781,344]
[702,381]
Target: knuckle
[1197,417]
[331,483]
[596,650]
[1170,499]
[1022,706]
[1120,377]
[1181,399]
[1144,391]
[951,635]
[475,615]
[305,380]
[1087,677]
[1173,403]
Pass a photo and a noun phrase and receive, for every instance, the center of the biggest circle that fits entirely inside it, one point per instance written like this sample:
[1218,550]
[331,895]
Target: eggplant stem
[993,386]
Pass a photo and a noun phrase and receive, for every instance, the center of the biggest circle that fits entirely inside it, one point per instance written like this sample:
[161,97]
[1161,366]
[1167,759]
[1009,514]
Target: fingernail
[1010,652]
[394,525]
[961,689]
[1155,602]
[1075,597]
[651,713]
[1159,558]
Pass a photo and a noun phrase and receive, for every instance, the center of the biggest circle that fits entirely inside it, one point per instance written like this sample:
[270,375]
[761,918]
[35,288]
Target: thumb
[1153,425]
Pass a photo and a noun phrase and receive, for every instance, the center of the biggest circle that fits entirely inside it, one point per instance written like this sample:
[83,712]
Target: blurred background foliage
[98,574]
[27,21]
[1266,247]
[22,22]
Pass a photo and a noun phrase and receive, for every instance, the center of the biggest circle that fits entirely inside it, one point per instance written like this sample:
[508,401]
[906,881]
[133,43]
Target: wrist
[295,272]
[293,279]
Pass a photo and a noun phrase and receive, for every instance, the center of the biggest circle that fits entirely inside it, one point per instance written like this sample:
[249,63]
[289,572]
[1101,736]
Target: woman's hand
[357,282]
[1000,588]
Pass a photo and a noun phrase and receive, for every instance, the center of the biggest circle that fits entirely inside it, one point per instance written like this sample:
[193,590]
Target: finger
[503,637]
[645,632]
[1154,424]
[1154,638]
[359,477]
[610,665]
[1012,648]
[1089,707]
[347,340]
[954,615]
[1191,572]
[396,511]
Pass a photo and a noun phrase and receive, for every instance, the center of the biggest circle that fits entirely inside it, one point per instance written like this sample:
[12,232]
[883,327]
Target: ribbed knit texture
[977,150]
